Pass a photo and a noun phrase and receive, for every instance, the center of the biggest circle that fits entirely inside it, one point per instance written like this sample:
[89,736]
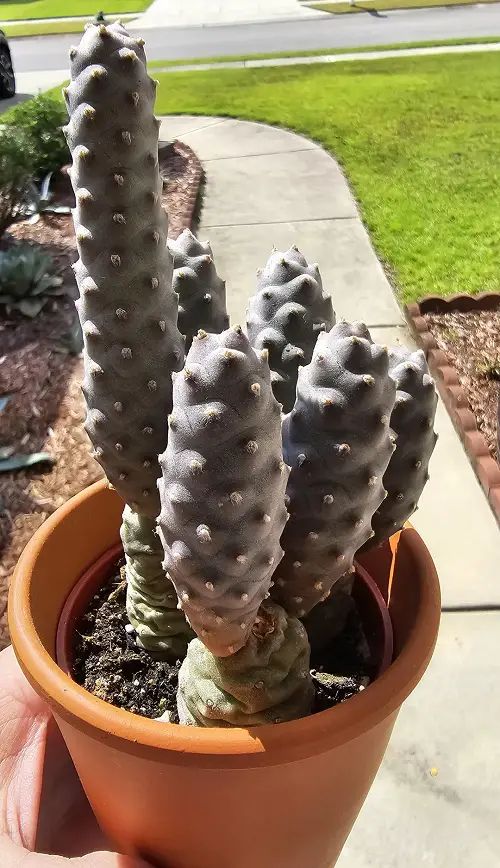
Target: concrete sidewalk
[334,58]
[267,186]
[207,13]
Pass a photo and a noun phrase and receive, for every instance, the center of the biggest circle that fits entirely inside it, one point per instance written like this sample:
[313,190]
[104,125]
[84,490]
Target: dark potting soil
[109,664]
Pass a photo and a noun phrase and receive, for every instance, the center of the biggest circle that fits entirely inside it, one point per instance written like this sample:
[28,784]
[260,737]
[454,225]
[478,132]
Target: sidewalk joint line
[265,154]
[278,222]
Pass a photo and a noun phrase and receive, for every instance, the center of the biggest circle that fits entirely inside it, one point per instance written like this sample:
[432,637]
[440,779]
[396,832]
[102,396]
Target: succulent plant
[205,534]
[338,443]
[223,511]
[412,421]
[26,282]
[39,201]
[202,294]
[124,275]
[285,317]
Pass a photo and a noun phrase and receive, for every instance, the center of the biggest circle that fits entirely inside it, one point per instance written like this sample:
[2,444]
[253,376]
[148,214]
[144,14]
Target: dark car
[7,78]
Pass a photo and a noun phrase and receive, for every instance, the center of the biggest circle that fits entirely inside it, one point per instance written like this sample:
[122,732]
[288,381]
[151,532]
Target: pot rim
[302,738]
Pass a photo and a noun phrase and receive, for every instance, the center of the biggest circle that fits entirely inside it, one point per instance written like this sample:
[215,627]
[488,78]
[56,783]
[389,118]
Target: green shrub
[16,173]
[42,118]
[26,284]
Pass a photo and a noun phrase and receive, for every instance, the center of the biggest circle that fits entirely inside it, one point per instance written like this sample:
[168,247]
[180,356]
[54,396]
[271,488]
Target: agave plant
[26,283]
[39,201]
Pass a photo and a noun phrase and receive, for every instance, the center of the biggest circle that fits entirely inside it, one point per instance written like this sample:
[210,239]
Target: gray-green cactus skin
[267,681]
[202,293]
[285,317]
[338,443]
[223,488]
[412,421]
[160,626]
[124,275]
[124,271]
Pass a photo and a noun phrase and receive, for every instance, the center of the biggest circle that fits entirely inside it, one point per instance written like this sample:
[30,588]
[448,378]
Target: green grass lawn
[343,8]
[55,8]
[47,28]
[417,137]
[270,55]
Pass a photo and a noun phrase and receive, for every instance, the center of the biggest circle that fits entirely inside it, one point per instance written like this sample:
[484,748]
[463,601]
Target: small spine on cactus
[202,293]
[267,681]
[285,317]
[338,443]
[412,422]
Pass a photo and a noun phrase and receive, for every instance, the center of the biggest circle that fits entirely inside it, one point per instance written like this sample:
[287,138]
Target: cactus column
[338,443]
[127,307]
[223,512]
[202,293]
[412,421]
[285,317]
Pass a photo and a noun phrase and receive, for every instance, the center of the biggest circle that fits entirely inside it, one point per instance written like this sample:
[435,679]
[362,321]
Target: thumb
[101,860]
[14,856]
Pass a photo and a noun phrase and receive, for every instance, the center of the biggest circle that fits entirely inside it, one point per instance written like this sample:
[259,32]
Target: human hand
[43,807]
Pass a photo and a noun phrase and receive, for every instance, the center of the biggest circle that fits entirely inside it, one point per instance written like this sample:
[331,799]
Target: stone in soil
[472,342]
[109,664]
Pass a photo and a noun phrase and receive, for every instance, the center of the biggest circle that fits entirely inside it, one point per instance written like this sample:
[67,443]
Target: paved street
[51,52]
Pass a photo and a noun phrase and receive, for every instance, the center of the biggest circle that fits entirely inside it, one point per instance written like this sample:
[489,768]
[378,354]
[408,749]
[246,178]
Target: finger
[23,724]
[14,856]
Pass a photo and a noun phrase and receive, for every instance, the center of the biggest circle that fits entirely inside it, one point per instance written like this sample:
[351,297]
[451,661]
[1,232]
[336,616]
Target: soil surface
[472,342]
[46,409]
[109,664]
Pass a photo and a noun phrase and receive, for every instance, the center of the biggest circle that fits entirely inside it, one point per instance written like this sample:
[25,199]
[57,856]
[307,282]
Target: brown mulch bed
[46,411]
[472,342]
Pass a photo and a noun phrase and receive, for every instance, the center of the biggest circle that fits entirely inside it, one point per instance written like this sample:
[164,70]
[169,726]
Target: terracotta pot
[283,796]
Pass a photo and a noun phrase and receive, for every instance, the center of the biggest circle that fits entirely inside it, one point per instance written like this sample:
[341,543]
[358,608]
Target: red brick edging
[185,217]
[448,382]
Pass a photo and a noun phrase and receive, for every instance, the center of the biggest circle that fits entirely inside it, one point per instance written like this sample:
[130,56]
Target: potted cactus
[254,483]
